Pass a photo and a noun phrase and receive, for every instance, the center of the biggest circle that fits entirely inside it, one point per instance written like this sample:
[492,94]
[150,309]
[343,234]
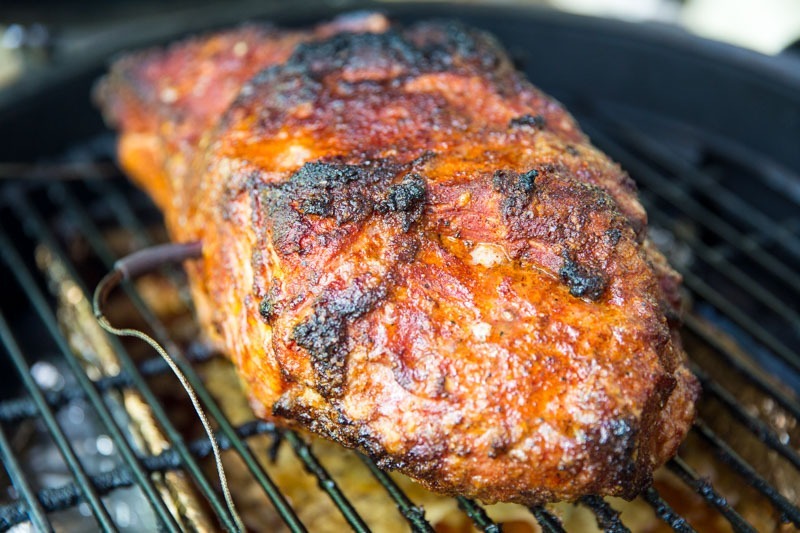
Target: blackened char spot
[354,207]
[434,46]
[331,190]
[325,174]
[355,51]
[321,189]
[516,188]
[288,227]
[449,45]
[328,422]
[406,198]
[267,308]
[324,333]
[347,193]
[534,121]
[614,235]
[527,180]
[406,195]
[582,281]
[282,89]
[614,441]
[319,205]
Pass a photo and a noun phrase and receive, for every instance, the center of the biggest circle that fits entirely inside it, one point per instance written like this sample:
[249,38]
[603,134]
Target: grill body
[709,132]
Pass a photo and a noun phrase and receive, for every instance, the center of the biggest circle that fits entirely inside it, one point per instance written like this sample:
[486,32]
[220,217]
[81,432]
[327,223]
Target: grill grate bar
[789,403]
[702,289]
[709,294]
[756,426]
[718,261]
[326,483]
[126,217]
[478,515]
[32,508]
[273,492]
[413,514]
[132,372]
[665,512]
[548,521]
[704,489]
[157,409]
[162,336]
[789,511]
[68,495]
[665,188]
[21,408]
[23,277]
[607,516]
[17,409]
[35,224]
[690,175]
[121,208]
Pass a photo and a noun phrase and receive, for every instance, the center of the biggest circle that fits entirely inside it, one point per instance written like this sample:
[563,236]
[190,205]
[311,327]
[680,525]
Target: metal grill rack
[742,248]
[35,208]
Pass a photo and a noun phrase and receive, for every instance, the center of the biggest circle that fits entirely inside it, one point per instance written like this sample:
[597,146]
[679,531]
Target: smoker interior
[710,134]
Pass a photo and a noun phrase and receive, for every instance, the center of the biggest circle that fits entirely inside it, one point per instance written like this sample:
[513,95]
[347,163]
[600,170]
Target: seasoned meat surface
[409,249]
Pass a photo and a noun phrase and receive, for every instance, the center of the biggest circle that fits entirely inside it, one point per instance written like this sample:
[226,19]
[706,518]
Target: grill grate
[663,187]
[734,245]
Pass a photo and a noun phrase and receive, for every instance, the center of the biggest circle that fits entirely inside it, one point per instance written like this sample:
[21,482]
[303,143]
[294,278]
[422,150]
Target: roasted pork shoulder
[412,251]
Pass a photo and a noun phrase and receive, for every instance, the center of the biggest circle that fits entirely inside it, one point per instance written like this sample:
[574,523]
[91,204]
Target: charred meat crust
[582,282]
[412,251]
[517,189]
[324,333]
[425,47]
[533,121]
[347,194]
[353,196]
[423,461]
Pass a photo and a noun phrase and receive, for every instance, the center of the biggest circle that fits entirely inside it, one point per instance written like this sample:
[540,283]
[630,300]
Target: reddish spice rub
[409,249]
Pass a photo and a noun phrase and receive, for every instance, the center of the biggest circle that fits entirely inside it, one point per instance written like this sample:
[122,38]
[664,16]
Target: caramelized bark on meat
[409,249]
